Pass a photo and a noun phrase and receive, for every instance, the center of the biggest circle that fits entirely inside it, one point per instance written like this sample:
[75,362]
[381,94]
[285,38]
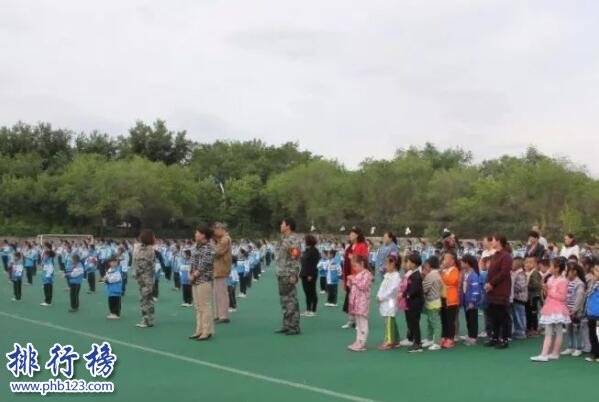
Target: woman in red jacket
[499,288]
[357,246]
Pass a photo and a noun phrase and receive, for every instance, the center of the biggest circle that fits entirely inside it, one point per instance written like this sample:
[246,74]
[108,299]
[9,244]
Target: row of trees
[54,180]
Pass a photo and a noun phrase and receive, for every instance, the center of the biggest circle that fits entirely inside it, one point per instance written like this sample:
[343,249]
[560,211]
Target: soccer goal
[50,237]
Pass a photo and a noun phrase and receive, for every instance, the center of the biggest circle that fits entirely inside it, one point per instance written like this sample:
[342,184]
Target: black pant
[232,299]
[102,268]
[310,292]
[472,322]
[114,305]
[323,283]
[177,279]
[448,316]
[17,286]
[48,293]
[74,294]
[500,321]
[186,291]
[256,271]
[5,262]
[243,283]
[156,288]
[248,279]
[29,272]
[167,273]
[346,302]
[91,281]
[332,294]
[413,321]
[532,314]
[593,338]
[125,277]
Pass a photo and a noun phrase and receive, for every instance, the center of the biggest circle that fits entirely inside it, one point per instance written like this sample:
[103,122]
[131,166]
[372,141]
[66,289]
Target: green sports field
[246,361]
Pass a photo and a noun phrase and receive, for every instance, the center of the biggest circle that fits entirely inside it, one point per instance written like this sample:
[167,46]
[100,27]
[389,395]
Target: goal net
[58,237]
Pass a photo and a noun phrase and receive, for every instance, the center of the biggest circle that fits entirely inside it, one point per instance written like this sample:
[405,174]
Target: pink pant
[361,329]
[221,298]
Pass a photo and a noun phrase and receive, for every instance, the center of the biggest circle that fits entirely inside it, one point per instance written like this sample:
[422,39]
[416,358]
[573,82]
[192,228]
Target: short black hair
[206,231]
[310,240]
[289,222]
[414,258]
[534,233]
[433,262]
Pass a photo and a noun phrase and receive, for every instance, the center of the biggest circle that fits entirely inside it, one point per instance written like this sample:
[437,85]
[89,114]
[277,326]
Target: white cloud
[346,79]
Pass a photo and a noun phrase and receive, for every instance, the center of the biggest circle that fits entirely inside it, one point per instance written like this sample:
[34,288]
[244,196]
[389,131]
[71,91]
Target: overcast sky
[347,79]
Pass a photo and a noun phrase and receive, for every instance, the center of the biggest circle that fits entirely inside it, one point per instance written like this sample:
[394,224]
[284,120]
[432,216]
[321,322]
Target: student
[232,282]
[75,277]
[575,302]
[414,298]
[243,269]
[91,264]
[332,278]
[360,284]
[184,268]
[554,313]
[176,271]
[123,258]
[432,286]
[535,288]
[30,256]
[450,299]
[17,266]
[47,277]
[519,299]
[114,288]
[158,269]
[592,314]
[387,300]
[322,271]
[483,305]
[470,295]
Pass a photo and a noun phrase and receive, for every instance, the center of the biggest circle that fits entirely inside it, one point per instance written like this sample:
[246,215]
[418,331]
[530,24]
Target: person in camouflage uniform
[143,262]
[288,265]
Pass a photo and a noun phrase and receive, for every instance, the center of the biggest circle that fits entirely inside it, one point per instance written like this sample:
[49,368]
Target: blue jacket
[322,267]
[184,267]
[47,271]
[482,279]
[333,272]
[76,275]
[90,265]
[16,270]
[114,281]
[471,290]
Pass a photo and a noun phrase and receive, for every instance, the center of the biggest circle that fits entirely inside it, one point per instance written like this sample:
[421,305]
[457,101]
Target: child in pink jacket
[360,285]
[555,311]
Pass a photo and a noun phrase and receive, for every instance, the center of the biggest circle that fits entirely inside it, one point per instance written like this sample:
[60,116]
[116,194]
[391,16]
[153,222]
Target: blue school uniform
[233,279]
[90,265]
[240,267]
[333,272]
[471,290]
[76,274]
[322,267]
[16,271]
[114,282]
[184,267]
[48,271]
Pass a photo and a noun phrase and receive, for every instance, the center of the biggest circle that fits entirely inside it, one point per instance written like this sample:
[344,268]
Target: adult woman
[309,273]
[388,248]
[570,247]
[357,246]
[143,261]
[201,277]
[498,288]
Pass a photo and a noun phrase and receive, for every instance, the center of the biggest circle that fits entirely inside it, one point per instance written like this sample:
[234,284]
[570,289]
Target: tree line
[54,180]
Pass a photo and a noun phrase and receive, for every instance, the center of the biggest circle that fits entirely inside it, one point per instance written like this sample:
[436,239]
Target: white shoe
[155,299]
[406,342]
[483,334]
[426,343]
[553,357]
[13,299]
[322,292]
[44,304]
[327,304]
[306,314]
[232,310]
[184,305]
[576,353]
[566,352]
[591,359]
[434,346]
[242,295]
[112,317]
[348,325]
[540,358]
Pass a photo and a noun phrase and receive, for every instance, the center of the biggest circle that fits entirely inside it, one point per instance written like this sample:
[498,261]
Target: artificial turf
[317,358]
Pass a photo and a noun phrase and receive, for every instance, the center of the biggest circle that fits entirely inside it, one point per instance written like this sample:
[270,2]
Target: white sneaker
[434,346]
[348,325]
[553,357]
[483,334]
[406,342]
[566,352]
[426,343]
[591,359]
[155,299]
[232,310]
[327,304]
[322,292]
[242,295]
[13,299]
[183,304]
[306,314]
[44,304]
[540,358]
[576,353]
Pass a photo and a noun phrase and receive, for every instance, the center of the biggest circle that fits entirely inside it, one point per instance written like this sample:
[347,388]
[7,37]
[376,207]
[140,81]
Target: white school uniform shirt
[568,251]
[388,294]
